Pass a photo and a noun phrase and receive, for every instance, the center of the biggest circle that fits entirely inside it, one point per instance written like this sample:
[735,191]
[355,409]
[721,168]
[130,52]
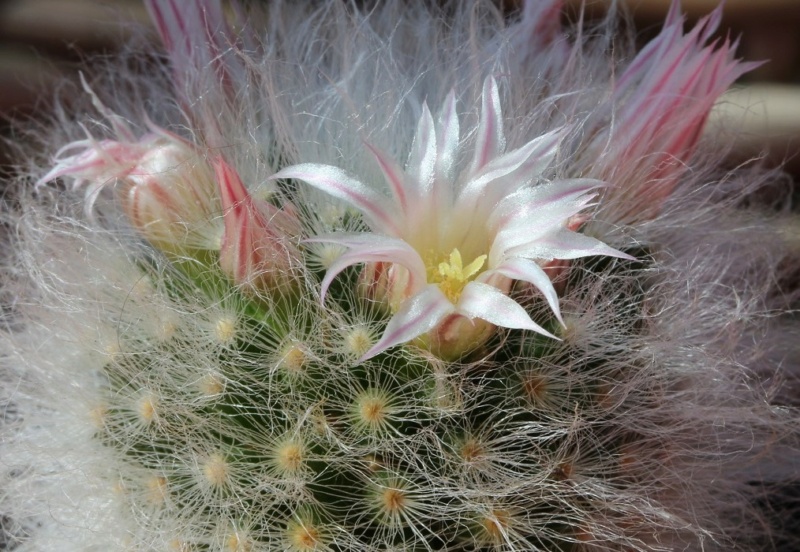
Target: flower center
[451,276]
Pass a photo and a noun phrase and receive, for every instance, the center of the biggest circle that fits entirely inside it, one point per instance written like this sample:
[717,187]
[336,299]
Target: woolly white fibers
[174,377]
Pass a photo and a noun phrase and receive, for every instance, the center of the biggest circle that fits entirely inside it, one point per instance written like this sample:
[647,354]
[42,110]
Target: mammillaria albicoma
[392,277]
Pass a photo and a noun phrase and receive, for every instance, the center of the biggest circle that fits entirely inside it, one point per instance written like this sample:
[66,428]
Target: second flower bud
[171,198]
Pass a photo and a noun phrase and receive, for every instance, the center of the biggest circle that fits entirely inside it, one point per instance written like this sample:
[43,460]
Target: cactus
[555,327]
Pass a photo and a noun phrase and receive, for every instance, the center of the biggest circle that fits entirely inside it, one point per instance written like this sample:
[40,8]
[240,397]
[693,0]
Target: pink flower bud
[662,101]
[166,189]
[171,198]
[384,283]
[256,251]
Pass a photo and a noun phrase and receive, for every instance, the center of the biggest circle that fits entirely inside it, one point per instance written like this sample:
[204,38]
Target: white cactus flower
[456,238]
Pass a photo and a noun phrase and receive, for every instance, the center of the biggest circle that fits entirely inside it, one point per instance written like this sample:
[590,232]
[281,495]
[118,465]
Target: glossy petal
[565,244]
[339,184]
[447,143]
[521,166]
[394,176]
[422,160]
[531,201]
[490,140]
[534,226]
[526,270]
[488,303]
[418,315]
[372,248]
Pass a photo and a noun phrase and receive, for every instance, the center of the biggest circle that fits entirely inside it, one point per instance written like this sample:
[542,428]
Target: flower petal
[416,316]
[338,183]
[370,248]
[526,270]
[394,176]
[526,201]
[99,164]
[507,173]
[441,199]
[422,160]
[490,140]
[479,300]
[448,142]
[536,225]
[565,244]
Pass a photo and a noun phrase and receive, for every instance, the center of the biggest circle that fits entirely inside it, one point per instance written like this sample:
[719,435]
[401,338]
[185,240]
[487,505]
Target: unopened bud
[256,252]
[456,336]
[383,283]
[171,199]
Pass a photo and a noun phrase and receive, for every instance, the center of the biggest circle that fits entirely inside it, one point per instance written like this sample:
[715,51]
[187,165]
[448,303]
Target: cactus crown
[258,331]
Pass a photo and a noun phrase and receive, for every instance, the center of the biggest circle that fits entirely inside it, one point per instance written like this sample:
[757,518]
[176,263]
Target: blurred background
[43,40]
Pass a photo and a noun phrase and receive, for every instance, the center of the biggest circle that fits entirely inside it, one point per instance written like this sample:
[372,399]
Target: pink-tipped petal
[479,300]
[334,181]
[528,271]
[529,201]
[507,173]
[534,227]
[566,245]
[449,136]
[372,248]
[421,165]
[97,166]
[417,315]
[490,141]
[394,176]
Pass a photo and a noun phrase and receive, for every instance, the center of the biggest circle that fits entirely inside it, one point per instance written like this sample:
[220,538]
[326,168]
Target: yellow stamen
[452,276]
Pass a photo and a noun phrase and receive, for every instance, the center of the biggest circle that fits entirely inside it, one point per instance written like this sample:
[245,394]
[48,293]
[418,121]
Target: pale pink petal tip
[417,315]
[336,182]
[486,302]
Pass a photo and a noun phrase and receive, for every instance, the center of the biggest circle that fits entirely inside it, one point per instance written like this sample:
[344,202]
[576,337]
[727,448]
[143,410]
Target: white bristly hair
[190,394]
